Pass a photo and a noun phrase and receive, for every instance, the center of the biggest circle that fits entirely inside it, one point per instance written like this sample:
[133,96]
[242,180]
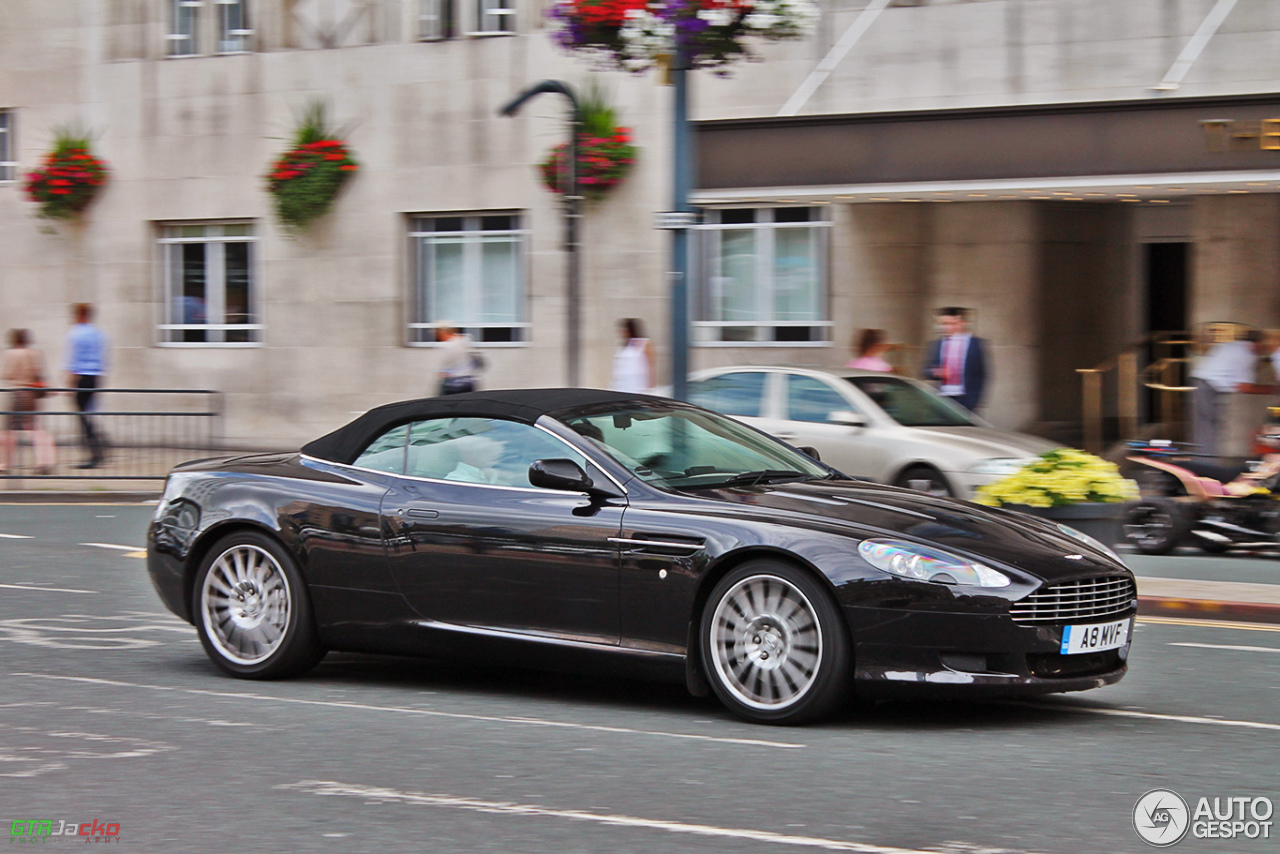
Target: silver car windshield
[912,406]
[683,448]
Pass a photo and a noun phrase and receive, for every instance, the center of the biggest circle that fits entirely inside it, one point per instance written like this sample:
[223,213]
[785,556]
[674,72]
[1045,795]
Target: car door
[810,403]
[744,395]
[472,543]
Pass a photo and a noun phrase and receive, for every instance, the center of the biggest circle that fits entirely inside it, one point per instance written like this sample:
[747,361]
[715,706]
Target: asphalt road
[111,713]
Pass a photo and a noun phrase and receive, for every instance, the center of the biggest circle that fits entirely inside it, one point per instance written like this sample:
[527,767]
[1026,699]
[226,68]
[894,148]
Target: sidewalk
[1217,600]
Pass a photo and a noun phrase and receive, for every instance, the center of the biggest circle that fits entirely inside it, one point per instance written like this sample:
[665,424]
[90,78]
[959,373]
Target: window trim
[415,234]
[443,20]
[8,168]
[225,34]
[764,262]
[172,37]
[162,327]
[503,10]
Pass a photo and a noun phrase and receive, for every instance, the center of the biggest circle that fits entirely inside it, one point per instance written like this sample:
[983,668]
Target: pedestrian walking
[1229,367]
[957,359]
[22,367]
[460,365]
[633,368]
[86,368]
[870,348]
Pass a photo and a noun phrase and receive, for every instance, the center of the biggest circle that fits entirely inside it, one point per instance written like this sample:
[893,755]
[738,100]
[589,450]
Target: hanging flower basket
[69,179]
[638,34]
[605,152]
[305,180]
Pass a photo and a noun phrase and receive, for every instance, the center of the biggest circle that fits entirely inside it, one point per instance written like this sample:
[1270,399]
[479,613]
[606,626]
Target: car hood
[865,509]
[988,442]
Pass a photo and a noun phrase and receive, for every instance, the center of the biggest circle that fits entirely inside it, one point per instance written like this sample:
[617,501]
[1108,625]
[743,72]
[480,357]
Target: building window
[436,20]
[210,284]
[184,27]
[495,17]
[764,277]
[234,31]
[469,273]
[8,167]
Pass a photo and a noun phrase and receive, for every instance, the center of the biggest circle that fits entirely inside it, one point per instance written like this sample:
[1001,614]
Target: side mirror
[810,452]
[847,418]
[559,474]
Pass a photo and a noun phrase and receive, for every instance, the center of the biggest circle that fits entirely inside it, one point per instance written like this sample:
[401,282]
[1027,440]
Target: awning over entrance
[1101,151]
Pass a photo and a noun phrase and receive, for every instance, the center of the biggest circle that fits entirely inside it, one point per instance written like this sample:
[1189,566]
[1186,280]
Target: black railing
[143,433]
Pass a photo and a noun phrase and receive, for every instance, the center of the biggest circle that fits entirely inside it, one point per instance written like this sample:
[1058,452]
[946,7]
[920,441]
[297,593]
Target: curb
[77,497]
[1249,612]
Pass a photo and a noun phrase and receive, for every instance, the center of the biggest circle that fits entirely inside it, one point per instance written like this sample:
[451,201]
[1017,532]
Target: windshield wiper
[751,478]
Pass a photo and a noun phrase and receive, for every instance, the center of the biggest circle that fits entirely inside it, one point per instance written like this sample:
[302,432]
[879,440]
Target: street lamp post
[572,218]
[682,173]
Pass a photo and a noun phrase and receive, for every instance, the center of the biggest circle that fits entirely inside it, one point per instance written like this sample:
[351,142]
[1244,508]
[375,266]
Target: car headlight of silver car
[1097,545]
[999,466]
[924,563]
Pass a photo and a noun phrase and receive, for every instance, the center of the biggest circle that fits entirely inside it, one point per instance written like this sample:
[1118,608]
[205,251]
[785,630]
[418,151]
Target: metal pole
[682,169]
[572,225]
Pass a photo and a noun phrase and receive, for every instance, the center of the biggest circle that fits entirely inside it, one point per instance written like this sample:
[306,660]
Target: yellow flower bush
[1065,476]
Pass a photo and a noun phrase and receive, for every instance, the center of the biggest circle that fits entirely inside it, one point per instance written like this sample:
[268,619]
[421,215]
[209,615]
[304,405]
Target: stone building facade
[1021,157]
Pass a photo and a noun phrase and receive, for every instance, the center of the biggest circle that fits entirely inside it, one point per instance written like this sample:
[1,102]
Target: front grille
[1074,600]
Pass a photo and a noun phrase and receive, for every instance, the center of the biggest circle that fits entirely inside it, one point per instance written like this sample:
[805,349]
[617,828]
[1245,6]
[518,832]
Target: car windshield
[912,406]
[679,447]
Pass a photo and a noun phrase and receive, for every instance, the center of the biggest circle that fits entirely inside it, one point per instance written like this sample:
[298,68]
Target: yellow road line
[1209,624]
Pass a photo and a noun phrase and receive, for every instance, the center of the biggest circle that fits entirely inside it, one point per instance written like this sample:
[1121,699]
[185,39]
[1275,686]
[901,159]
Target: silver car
[884,427]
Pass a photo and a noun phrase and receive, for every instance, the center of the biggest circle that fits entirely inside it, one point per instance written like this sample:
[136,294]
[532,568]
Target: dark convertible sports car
[634,526]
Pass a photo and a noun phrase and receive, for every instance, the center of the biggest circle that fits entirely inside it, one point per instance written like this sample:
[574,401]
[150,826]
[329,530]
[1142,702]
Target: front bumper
[904,653]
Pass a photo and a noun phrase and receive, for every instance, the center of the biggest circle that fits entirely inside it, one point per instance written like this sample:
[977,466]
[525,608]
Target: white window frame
[437,19]
[472,235]
[241,38]
[494,18]
[215,271]
[173,37]
[8,165]
[707,333]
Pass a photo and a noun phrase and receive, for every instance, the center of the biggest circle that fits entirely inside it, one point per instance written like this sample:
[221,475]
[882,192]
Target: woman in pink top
[23,369]
[871,349]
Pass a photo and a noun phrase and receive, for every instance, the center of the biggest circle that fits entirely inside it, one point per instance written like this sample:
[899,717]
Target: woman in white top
[23,369]
[633,362]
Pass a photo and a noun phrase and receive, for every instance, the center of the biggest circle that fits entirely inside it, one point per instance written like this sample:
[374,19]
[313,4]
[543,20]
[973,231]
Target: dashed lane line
[1229,646]
[542,722]
[16,537]
[45,589]
[1131,713]
[380,794]
[113,546]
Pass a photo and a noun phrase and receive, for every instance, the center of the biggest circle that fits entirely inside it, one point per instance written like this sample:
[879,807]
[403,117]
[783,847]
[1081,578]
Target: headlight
[999,466]
[1089,541]
[922,563]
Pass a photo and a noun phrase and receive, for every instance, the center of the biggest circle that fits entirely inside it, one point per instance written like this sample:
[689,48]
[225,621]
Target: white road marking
[15,537]
[751,742]
[1229,646]
[376,794]
[113,546]
[1129,713]
[46,589]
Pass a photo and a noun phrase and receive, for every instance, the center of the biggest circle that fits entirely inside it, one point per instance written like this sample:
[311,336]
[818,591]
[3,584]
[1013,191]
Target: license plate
[1095,637]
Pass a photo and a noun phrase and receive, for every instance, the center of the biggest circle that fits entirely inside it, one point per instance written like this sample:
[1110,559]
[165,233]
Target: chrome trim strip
[657,543]
[553,640]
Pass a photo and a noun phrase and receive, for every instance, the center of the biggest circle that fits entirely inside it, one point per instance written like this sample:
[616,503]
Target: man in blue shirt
[86,366]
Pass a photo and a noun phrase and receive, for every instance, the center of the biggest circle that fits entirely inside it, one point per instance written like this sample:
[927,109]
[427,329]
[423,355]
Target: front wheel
[924,479]
[773,644]
[251,609]
[1155,526]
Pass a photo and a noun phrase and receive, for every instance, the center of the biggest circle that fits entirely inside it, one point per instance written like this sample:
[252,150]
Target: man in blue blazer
[957,361]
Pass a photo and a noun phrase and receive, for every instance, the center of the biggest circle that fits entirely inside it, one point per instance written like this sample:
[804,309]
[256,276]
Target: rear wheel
[1155,526]
[774,645]
[924,479]
[252,611]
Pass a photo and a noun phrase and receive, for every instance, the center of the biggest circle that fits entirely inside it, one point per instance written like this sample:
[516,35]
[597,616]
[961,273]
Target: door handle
[417,513]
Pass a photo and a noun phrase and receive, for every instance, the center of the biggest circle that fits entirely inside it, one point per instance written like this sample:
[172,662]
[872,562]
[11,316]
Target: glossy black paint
[395,564]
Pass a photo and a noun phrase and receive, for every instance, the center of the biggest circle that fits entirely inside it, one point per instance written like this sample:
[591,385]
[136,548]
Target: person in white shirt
[633,362]
[460,365]
[1230,367]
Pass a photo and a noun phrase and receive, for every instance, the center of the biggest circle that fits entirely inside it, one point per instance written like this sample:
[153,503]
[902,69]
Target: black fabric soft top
[346,443]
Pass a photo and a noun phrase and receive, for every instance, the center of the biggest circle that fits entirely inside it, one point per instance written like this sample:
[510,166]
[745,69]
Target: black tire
[774,645]
[914,477]
[251,609]
[1155,526]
